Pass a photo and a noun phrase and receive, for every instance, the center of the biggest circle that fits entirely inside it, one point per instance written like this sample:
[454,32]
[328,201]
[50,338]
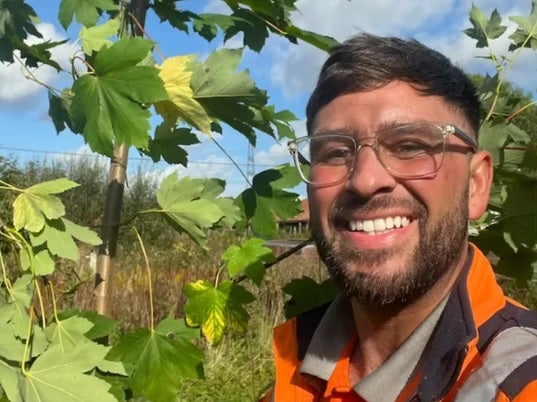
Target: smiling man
[394,175]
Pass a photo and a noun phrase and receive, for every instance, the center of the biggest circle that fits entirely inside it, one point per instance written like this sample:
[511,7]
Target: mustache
[344,207]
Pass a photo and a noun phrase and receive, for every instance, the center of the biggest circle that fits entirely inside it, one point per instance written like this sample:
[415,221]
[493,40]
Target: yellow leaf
[181,104]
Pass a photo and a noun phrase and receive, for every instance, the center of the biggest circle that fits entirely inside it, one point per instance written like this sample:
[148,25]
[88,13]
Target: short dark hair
[367,61]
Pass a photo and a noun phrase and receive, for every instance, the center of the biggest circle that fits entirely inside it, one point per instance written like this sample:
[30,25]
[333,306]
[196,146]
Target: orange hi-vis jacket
[481,347]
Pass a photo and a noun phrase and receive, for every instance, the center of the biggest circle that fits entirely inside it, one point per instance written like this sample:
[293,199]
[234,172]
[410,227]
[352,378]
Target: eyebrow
[335,131]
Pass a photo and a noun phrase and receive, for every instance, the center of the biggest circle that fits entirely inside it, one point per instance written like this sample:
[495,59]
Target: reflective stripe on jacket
[484,348]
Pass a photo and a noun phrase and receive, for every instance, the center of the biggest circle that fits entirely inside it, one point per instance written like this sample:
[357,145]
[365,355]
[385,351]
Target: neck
[382,329]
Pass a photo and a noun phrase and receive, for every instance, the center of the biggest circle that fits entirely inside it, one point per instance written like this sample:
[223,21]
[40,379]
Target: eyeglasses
[407,151]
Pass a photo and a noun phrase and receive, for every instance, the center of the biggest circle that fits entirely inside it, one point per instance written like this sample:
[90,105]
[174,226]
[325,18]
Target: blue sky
[286,71]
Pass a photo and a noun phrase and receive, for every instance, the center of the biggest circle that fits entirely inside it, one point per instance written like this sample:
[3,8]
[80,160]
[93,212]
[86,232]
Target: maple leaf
[167,142]
[483,29]
[526,32]
[96,37]
[60,376]
[191,205]
[85,12]
[181,103]
[156,362]
[109,106]
[248,258]
[306,294]
[216,309]
[37,202]
[267,199]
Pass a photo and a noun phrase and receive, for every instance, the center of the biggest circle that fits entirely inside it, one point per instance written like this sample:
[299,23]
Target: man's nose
[368,175]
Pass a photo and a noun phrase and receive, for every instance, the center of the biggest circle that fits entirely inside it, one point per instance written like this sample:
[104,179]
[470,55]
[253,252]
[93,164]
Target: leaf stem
[27,344]
[150,286]
[146,34]
[232,161]
[517,112]
[508,69]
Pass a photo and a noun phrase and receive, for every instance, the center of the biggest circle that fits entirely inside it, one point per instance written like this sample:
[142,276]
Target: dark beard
[438,251]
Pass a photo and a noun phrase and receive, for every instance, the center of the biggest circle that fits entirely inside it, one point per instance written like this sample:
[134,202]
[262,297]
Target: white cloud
[437,24]
[274,156]
[17,89]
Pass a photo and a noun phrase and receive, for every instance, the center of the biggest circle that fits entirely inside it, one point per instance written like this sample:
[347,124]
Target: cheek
[442,194]
[320,201]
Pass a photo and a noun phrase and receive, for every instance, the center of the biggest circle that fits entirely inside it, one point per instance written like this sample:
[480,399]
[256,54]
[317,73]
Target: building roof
[303,215]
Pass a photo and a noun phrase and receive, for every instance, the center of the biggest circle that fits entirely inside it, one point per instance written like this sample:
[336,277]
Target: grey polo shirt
[384,384]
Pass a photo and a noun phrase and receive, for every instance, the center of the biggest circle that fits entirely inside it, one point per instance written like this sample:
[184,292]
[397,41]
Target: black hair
[367,61]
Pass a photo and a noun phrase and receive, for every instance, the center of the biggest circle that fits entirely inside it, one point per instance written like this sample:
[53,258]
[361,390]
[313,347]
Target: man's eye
[409,149]
[333,155]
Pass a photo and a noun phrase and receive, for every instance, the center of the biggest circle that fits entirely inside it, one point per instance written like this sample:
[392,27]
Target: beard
[438,250]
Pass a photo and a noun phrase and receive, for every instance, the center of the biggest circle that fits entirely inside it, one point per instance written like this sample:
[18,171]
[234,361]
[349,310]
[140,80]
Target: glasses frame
[445,129]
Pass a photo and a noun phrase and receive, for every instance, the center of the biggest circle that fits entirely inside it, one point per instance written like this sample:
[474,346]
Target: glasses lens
[412,150]
[325,159]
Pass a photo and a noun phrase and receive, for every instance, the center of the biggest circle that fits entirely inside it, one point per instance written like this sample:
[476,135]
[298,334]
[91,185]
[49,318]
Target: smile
[378,225]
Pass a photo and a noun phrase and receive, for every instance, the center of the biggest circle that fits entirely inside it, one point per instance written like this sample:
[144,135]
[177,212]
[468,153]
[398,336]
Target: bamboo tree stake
[114,196]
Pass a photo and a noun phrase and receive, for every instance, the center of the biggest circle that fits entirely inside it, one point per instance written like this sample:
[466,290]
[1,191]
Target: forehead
[394,103]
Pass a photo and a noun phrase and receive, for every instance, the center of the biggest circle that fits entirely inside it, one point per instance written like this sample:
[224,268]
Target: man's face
[419,225]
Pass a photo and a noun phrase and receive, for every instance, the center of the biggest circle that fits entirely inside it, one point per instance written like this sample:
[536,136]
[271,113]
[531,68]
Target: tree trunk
[114,195]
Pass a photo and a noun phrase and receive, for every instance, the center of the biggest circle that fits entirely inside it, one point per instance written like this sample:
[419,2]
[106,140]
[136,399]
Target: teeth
[369,226]
[378,225]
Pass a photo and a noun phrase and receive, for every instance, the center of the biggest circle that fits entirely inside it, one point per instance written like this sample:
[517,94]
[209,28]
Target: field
[239,368]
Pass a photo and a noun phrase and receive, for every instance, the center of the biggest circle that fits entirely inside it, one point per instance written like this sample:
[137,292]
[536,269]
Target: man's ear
[480,184]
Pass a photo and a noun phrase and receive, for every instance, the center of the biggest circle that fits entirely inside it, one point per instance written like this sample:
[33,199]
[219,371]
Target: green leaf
[59,376]
[492,138]
[81,233]
[43,263]
[520,266]
[102,326]
[173,328]
[11,348]
[22,290]
[59,236]
[16,24]
[526,33]
[185,207]
[166,11]
[59,111]
[37,202]
[322,42]
[68,332]
[39,53]
[206,25]
[228,95]
[181,104]
[248,258]
[483,29]
[59,241]
[85,12]
[9,381]
[167,144]
[266,199]
[156,363]
[110,106]
[521,214]
[306,293]
[216,309]
[253,28]
[94,38]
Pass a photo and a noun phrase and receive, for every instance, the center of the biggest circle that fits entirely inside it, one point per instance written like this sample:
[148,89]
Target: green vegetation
[52,353]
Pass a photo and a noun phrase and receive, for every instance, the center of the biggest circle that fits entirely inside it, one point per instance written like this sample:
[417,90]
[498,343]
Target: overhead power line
[132,158]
